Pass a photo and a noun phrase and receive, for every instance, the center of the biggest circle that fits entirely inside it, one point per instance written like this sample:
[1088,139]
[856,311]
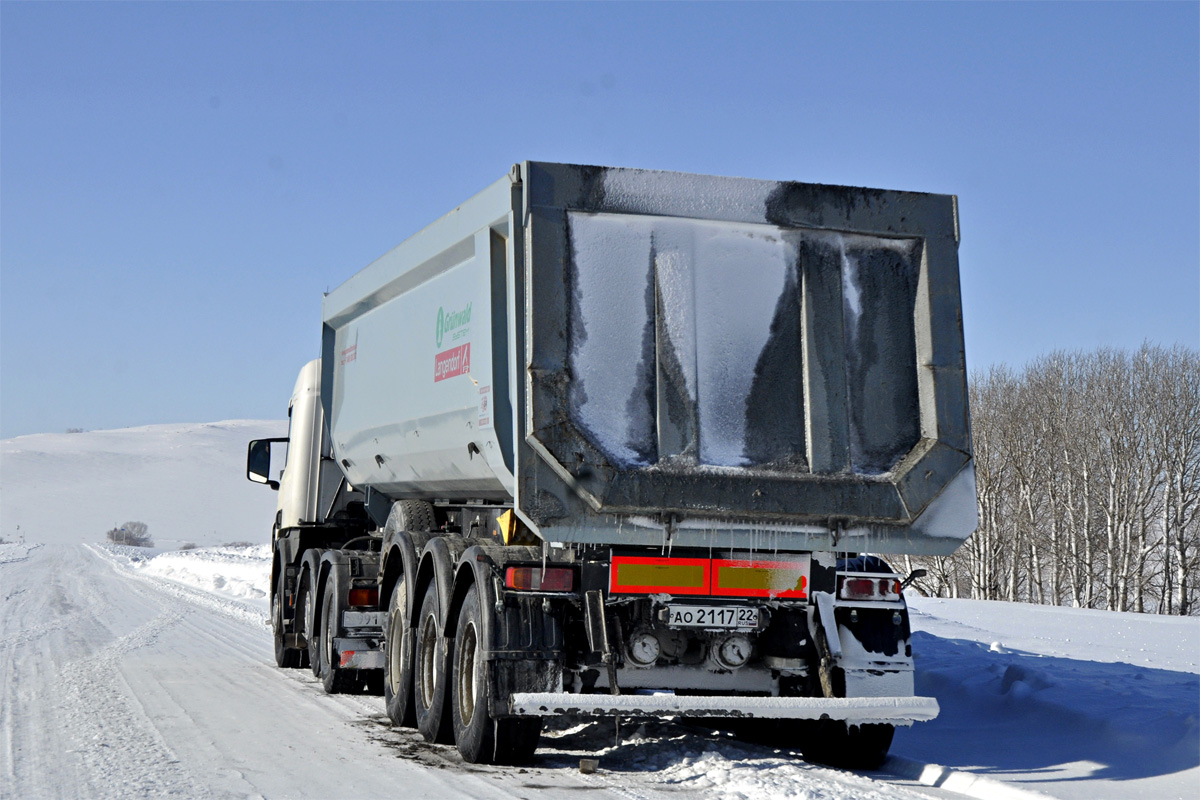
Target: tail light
[856,587]
[364,597]
[539,579]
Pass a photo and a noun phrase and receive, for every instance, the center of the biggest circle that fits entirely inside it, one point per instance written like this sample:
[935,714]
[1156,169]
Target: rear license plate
[712,616]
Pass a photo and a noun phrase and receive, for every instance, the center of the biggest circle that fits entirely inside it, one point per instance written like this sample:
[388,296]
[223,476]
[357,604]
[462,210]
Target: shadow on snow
[1021,713]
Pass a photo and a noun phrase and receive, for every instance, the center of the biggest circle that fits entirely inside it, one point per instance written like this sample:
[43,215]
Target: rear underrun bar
[855,710]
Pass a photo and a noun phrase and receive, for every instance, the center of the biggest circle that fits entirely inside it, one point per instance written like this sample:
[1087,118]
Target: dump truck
[620,442]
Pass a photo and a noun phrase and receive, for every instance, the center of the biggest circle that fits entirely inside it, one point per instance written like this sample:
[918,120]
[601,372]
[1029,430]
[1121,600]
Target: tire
[302,617]
[837,744]
[414,516]
[334,679]
[482,739]
[285,657]
[474,728]
[313,629]
[398,660]
[430,666]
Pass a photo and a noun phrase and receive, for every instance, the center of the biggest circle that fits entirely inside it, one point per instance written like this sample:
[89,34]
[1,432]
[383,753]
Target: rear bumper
[854,710]
[358,654]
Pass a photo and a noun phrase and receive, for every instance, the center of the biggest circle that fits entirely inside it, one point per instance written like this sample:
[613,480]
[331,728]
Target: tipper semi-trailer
[622,442]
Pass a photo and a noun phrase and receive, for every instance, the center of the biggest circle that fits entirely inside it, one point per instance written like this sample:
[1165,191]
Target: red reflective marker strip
[682,576]
[733,578]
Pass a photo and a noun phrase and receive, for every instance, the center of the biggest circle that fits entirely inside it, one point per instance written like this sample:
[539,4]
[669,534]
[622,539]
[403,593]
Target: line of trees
[1088,473]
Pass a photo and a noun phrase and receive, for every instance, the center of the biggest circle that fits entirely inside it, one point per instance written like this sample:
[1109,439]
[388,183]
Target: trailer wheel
[474,729]
[333,678]
[398,661]
[285,657]
[482,739]
[430,665]
[413,516]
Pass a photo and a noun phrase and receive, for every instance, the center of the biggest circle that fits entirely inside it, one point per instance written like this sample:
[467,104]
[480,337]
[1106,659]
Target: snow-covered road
[118,687]
[120,683]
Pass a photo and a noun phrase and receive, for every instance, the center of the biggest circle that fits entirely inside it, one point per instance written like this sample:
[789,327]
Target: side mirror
[916,573]
[258,462]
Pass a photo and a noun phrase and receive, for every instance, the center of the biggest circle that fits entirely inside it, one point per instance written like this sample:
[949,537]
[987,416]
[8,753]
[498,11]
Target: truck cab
[318,514]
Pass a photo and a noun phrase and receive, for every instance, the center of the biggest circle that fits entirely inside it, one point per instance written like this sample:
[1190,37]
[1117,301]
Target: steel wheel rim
[428,662]
[329,630]
[307,612]
[466,674]
[394,648]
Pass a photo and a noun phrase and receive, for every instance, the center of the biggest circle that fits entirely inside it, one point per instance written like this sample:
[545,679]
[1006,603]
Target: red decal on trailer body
[453,362]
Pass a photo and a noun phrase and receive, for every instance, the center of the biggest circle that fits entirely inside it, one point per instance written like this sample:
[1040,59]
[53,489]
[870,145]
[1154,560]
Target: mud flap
[508,678]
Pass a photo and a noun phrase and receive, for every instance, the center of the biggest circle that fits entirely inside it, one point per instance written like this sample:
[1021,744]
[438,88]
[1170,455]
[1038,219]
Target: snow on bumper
[855,710]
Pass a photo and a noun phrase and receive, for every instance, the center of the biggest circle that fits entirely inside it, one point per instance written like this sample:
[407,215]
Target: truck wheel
[398,661]
[334,679]
[285,657]
[429,673]
[312,629]
[303,618]
[474,729]
[837,744]
[413,516]
[482,739]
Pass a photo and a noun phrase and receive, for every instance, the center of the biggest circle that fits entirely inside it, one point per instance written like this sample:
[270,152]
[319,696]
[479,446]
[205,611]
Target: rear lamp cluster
[540,579]
[856,587]
[363,597]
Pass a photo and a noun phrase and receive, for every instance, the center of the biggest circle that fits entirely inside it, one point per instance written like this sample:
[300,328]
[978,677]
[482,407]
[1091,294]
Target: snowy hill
[186,482]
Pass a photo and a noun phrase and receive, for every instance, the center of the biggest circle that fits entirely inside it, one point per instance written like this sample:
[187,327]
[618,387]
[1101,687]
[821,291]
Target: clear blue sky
[179,182]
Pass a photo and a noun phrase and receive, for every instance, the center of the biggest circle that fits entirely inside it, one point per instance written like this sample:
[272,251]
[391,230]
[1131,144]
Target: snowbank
[15,551]
[239,572]
[1057,699]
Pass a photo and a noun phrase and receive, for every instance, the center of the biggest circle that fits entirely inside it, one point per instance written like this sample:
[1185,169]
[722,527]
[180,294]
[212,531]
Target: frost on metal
[687,340]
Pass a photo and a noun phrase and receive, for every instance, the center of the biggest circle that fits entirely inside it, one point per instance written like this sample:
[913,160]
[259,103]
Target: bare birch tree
[1088,473]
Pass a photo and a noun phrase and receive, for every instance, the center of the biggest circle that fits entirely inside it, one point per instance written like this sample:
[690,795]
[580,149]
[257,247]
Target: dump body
[647,358]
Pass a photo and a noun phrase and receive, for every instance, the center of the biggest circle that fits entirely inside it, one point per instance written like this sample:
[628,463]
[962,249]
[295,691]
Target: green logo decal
[447,322]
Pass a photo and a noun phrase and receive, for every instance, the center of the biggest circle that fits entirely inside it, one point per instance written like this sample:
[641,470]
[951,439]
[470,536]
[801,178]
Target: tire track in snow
[121,750]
